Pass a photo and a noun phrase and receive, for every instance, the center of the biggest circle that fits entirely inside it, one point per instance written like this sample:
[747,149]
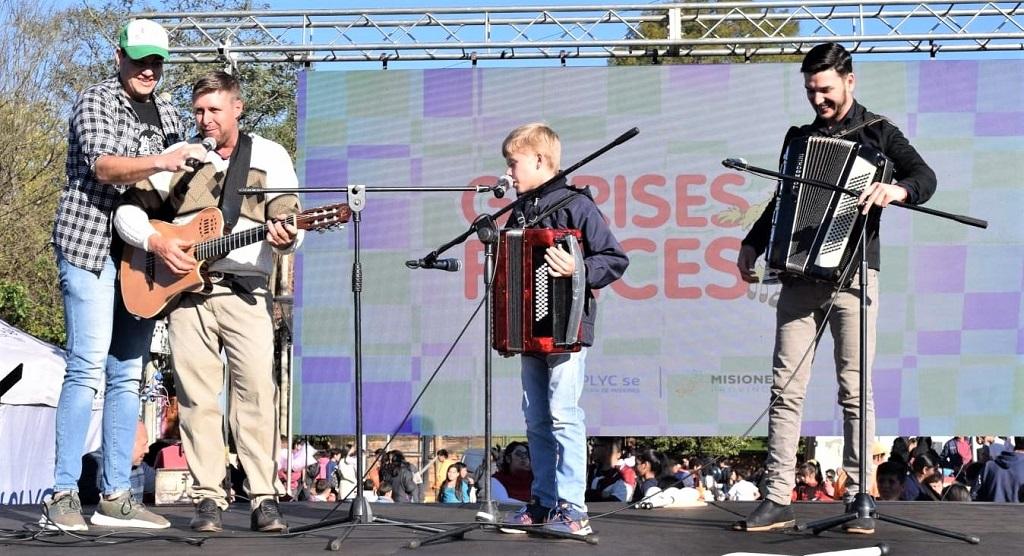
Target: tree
[269,88]
[47,57]
[32,149]
[695,29]
[700,446]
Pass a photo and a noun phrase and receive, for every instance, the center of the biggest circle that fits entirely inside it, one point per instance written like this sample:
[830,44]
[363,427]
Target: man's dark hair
[215,81]
[827,56]
[442,453]
[892,469]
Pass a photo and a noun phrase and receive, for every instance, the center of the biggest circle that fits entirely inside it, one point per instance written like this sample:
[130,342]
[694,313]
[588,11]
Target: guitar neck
[218,247]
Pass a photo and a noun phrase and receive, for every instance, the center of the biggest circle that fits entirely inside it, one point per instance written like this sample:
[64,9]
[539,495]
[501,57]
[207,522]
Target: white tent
[27,413]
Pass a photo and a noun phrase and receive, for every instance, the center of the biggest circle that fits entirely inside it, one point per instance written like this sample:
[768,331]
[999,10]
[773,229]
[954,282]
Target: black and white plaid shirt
[102,123]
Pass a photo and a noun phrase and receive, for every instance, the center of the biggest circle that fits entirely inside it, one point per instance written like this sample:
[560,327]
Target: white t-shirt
[744,491]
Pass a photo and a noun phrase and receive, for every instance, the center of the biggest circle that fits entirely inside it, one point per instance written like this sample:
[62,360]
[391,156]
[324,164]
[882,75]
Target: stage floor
[695,531]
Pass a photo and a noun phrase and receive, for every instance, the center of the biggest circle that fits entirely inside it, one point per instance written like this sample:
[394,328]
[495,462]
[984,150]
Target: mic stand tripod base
[488,512]
[534,530]
[864,506]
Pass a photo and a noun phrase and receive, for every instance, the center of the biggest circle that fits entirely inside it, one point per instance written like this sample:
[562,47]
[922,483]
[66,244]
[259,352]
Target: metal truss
[592,31]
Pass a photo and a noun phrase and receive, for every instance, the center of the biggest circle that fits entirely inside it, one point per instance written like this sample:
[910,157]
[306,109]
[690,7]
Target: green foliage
[700,446]
[33,49]
[13,303]
[48,55]
[696,29]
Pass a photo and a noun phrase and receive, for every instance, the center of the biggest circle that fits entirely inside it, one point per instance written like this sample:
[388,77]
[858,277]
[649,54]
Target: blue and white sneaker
[531,514]
[566,518]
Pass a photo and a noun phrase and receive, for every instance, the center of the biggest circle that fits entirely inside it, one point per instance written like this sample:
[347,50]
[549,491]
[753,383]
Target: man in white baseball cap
[117,135]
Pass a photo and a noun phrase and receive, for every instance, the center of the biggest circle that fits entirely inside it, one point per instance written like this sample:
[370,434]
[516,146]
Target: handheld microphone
[735,163]
[209,144]
[447,265]
[503,184]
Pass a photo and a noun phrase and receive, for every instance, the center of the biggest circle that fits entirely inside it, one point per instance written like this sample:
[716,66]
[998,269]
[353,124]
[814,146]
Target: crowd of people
[988,469]
[984,469]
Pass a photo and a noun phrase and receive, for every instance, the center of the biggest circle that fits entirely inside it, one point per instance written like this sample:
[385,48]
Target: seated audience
[321,492]
[956,492]
[924,466]
[454,489]
[403,484]
[512,482]
[1002,479]
[890,476]
[648,470]
[741,489]
[810,484]
[384,493]
[611,481]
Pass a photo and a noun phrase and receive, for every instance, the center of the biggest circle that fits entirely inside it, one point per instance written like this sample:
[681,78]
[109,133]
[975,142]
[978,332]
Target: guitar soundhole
[207,228]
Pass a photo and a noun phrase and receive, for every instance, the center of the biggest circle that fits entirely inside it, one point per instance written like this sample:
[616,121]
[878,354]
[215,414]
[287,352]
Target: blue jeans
[552,387]
[107,345]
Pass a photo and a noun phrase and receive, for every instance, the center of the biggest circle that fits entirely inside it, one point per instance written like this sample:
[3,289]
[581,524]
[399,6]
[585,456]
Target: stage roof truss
[590,31]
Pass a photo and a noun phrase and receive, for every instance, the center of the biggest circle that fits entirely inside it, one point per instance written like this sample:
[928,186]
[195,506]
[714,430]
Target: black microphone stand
[359,511]
[485,228]
[863,505]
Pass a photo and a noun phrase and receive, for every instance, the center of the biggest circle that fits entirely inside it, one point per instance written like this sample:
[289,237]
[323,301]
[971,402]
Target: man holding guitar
[233,311]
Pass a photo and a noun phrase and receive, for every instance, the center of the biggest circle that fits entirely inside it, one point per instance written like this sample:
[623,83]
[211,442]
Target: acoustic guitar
[149,287]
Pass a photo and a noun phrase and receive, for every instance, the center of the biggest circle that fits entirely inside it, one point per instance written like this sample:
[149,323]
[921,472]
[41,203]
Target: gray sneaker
[123,511]
[63,512]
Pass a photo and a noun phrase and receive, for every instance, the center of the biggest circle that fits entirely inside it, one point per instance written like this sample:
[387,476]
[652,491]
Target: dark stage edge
[696,531]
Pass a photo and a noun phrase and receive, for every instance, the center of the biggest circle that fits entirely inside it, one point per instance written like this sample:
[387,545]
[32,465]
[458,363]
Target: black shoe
[267,518]
[767,516]
[861,525]
[207,517]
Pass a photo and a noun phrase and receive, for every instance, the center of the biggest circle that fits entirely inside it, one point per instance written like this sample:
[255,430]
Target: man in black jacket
[829,82]
[1002,479]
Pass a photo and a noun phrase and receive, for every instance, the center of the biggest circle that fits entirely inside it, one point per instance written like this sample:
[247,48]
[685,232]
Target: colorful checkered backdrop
[683,348]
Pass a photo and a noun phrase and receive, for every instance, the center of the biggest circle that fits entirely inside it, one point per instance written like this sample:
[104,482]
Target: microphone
[209,144]
[735,163]
[447,265]
[504,183]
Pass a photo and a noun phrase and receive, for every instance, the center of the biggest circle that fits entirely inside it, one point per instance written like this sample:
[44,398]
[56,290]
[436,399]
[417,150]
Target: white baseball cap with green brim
[141,38]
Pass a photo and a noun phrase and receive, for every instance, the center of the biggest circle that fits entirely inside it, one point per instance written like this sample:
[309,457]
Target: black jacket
[1002,479]
[603,256]
[909,170]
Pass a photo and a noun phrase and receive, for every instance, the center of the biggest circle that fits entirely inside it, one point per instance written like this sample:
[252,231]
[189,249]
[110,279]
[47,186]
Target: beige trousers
[800,311]
[200,327]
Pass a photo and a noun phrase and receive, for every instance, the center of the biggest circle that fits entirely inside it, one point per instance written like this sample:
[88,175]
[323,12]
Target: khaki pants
[801,308]
[199,328]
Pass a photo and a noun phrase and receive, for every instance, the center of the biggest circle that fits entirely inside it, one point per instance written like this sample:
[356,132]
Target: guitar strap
[237,178]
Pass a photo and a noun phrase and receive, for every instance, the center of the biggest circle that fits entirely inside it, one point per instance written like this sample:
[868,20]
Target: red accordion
[532,311]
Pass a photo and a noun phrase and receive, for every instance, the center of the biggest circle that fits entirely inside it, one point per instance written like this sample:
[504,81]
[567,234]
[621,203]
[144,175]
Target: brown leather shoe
[860,526]
[267,518]
[207,517]
[767,516]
